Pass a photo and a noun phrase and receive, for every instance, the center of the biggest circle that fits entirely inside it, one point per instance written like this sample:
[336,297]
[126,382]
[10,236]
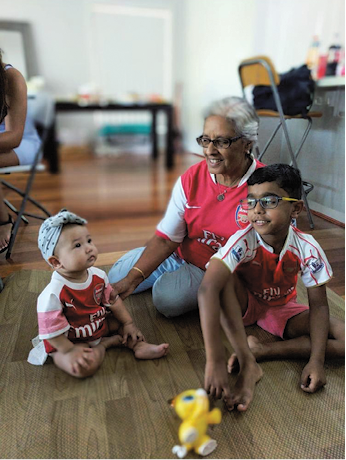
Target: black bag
[296,91]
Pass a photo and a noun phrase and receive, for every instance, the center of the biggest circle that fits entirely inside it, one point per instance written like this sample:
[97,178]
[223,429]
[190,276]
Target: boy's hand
[216,382]
[313,377]
[80,357]
[130,330]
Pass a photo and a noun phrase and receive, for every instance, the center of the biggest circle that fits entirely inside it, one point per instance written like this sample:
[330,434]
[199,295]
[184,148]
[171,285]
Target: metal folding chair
[43,117]
[260,70]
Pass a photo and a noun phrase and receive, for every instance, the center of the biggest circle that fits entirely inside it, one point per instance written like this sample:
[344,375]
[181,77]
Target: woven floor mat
[123,411]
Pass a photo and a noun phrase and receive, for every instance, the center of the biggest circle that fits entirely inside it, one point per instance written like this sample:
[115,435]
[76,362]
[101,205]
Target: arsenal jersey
[196,219]
[270,277]
[76,309]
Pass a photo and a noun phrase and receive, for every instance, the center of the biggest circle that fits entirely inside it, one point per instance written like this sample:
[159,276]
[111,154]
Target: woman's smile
[214,161]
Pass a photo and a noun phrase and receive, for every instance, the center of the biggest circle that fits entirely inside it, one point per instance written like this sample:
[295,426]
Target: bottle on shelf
[340,68]
[313,56]
[334,56]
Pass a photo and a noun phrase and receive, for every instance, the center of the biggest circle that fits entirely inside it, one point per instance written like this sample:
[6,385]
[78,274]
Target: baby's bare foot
[244,388]
[112,341]
[144,350]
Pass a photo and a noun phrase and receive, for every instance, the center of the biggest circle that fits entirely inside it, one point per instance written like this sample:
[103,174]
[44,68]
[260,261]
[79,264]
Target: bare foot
[258,350]
[244,388]
[112,341]
[144,350]
[5,235]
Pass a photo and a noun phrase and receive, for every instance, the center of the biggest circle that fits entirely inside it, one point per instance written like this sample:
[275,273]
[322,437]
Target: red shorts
[271,319]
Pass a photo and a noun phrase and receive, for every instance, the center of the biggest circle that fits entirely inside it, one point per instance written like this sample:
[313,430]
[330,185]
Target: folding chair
[260,70]
[41,110]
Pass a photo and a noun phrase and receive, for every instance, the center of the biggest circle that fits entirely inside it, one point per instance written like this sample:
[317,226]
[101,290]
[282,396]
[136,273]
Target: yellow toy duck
[192,406]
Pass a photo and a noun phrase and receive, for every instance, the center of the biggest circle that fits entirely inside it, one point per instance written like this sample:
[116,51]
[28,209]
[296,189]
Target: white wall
[284,28]
[216,40]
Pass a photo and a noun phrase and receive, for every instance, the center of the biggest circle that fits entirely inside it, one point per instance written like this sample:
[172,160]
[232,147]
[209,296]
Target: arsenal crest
[98,291]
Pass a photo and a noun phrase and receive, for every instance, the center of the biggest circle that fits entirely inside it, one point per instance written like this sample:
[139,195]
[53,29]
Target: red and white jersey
[271,277]
[197,220]
[77,309]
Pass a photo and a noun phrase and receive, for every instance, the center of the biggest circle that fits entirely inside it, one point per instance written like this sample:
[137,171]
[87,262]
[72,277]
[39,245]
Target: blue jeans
[174,283]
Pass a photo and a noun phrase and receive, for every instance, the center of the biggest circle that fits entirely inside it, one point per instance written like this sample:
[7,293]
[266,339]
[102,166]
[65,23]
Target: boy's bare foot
[244,388]
[144,350]
[258,350]
[112,341]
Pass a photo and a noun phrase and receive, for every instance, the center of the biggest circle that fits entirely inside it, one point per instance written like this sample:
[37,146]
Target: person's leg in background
[121,268]
[176,293]
[6,159]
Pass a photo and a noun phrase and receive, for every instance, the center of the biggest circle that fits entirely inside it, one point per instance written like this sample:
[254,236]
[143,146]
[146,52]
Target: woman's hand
[156,251]
[131,331]
[126,286]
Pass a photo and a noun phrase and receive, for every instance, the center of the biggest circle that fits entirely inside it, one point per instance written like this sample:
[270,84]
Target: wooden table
[68,106]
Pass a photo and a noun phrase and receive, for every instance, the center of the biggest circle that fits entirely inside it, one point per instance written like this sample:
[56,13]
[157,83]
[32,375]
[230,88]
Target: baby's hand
[80,357]
[130,330]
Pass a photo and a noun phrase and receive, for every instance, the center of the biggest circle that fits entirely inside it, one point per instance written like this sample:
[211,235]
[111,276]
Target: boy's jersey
[196,219]
[77,309]
[271,277]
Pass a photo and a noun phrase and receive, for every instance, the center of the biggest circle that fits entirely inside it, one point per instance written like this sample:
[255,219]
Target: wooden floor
[123,198]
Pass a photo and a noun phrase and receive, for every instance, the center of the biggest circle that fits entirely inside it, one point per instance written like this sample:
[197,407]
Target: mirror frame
[30,56]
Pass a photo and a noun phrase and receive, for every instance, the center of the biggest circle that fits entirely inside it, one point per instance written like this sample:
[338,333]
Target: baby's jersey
[196,219]
[271,277]
[76,309]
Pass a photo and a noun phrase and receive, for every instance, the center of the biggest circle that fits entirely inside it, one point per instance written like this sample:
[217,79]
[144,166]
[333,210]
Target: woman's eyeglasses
[219,143]
[267,202]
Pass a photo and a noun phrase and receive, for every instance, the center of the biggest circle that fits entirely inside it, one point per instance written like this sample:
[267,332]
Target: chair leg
[21,212]
[305,135]
[36,203]
[269,142]
[15,210]
[294,163]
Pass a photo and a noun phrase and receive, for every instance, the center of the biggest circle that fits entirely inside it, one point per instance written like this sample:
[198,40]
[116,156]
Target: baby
[79,316]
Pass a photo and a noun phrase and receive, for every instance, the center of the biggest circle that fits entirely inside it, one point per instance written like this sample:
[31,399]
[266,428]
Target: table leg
[154,134]
[169,139]
[50,151]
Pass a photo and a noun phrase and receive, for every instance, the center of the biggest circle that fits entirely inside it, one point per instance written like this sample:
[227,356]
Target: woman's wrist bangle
[140,271]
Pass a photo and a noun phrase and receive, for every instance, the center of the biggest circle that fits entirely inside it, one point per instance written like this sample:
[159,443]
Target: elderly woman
[202,214]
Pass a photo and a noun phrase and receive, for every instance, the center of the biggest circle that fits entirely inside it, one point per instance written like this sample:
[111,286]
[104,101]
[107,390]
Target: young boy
[78,316]
[253,279]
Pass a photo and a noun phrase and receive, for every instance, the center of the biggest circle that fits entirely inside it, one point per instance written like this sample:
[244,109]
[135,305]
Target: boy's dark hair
[286,177]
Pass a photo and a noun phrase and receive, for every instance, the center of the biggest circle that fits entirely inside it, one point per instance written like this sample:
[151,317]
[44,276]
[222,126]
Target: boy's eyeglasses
[219,143]
[267,202]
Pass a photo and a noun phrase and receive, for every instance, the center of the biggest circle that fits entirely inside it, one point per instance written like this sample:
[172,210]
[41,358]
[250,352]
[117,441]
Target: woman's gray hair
[240,113]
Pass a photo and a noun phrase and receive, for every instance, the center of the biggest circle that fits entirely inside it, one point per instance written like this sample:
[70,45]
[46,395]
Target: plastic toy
[192,406]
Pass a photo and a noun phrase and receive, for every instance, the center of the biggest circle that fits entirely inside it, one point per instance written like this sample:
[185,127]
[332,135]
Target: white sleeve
[240,248]
[51,320]
[173,225]
[315,268]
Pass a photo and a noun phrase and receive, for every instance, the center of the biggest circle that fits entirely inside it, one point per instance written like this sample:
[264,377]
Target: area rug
[123,411]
